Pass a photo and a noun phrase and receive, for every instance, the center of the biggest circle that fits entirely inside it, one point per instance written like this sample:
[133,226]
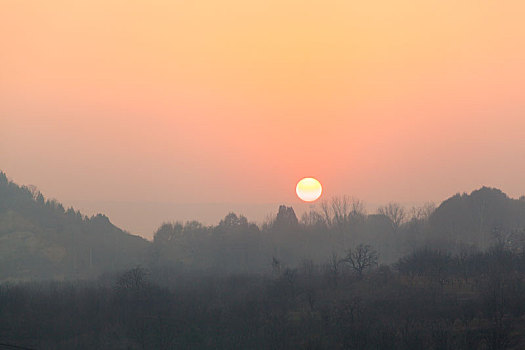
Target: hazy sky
[233,101]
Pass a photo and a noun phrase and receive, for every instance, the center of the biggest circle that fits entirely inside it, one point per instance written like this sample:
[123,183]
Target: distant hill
[477,219]
[40,239]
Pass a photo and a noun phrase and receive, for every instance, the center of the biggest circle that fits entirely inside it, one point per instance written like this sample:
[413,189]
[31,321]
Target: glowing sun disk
[308,189]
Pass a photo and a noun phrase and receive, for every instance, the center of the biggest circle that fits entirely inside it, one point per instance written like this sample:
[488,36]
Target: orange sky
[234,101]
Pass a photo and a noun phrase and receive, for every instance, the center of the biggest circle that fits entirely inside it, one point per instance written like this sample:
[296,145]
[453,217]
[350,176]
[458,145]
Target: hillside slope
[40,239]
[478,219]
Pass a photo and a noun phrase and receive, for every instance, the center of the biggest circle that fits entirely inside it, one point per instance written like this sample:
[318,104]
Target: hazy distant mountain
[477,219]
[40,239]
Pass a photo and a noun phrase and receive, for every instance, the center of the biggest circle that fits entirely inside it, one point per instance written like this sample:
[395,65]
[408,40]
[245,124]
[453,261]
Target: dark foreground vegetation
[428,300]
[445,277]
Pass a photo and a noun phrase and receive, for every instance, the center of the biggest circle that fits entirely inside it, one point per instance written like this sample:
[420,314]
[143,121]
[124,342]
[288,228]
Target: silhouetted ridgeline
[40,239]
[479,219]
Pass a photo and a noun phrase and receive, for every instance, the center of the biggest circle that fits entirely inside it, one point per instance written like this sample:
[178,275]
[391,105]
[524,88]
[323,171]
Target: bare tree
[313,218]
[341,211]
[308,268]
[133,279]
[276,266]
[361,258]
[417,223]
[333,268]
[423,212]
[358,209]
[395,212]
[513,239]
[327,213]
[290,275]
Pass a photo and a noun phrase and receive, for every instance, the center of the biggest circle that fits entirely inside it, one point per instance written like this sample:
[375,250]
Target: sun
[308,189]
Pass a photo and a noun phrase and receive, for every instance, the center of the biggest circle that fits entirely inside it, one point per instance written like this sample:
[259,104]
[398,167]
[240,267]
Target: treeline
[40,239]
[429,299]
[462,223]
[236,245]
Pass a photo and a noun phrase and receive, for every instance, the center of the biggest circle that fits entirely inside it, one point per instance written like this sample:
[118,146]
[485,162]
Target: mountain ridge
[39,239]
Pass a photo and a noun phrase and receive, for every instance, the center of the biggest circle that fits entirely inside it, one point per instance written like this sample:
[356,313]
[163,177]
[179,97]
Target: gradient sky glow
[234,101]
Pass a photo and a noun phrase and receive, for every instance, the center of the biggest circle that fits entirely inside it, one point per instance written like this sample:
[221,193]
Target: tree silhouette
[395,212]
[361,258]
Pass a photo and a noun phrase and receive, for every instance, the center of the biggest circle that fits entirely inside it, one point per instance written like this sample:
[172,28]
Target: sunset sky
[227,104]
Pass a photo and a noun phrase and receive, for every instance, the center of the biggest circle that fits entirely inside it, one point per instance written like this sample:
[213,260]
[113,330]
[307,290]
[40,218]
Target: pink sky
[234,101]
